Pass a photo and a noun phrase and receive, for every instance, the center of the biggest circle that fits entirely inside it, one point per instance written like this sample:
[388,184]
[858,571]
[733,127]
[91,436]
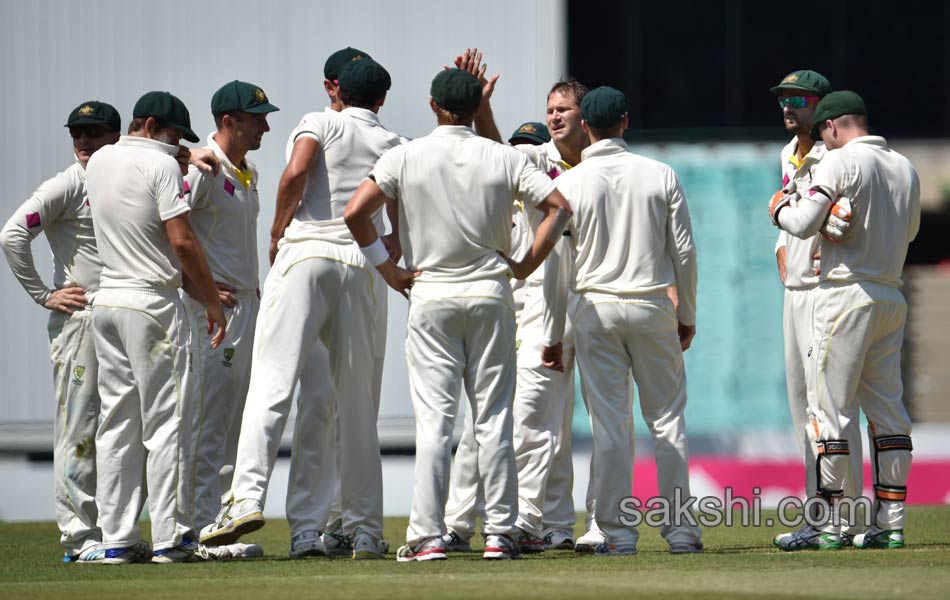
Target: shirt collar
[873,140]
[605,148]
[453,131]
[363,114]
[142,142]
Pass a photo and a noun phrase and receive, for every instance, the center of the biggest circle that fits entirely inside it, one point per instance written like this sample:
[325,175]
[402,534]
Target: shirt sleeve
[533,186]
[386,171]
[169,190]
[45,206]
[197,188]
[311,126]
[682,249]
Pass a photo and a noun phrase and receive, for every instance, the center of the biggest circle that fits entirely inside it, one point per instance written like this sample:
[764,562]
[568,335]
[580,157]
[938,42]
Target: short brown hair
[571,88]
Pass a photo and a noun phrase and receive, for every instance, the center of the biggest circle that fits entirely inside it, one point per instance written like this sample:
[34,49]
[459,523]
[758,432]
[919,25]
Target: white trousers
[541,433]
[798,329]
[75,370]
[308,296]
[223,377]
[614,336]
[148,401]
[462,334]
[860,330]
[314,494]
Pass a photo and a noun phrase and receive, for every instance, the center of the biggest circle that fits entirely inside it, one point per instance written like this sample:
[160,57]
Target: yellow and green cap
[240,96]
[94,112]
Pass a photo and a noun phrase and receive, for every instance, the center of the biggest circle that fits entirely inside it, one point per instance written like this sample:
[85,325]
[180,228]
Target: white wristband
[375,253]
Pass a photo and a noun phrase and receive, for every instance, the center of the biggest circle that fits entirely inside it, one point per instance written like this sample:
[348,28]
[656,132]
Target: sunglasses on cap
[77,131]
[795,101]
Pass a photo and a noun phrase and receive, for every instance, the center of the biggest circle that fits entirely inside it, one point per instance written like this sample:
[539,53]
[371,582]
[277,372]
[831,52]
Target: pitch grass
[739,562]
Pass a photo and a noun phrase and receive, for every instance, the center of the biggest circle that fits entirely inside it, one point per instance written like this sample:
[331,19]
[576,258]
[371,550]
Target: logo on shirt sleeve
[33,220]
[553,173]
[229,187]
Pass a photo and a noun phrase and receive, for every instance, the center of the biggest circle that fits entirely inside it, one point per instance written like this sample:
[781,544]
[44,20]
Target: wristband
[375,253]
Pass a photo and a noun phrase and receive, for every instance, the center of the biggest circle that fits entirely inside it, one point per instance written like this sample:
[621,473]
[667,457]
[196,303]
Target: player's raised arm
[471,62]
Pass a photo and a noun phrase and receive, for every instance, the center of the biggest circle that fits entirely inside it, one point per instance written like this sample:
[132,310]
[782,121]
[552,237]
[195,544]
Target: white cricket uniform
[456,196]
[142,342]
[321,288]
[543,408]
[633,239]
[60,209]
[224,210]
[860,313]
[801,279]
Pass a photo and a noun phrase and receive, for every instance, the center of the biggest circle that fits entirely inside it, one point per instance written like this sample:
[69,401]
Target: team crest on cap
[261,96]
[86,110]
[527,128]
[790,79]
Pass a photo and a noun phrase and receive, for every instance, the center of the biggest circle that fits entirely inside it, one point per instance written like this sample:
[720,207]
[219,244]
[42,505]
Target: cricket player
[456,196]
[465,502]
[60,208]
[859,311]
[798,94]
[544,399]
[632,237]
[141,330]
[224,211]
[320,287]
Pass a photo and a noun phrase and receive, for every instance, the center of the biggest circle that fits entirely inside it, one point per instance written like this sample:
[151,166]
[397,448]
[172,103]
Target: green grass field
[738,562]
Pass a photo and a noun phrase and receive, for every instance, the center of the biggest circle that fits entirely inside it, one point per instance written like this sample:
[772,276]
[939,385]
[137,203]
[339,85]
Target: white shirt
[885,201]
[456,195]
[799,264]
[134,187]
[351,141]
[59,208]
[547,158]
[631,232]
[224,217]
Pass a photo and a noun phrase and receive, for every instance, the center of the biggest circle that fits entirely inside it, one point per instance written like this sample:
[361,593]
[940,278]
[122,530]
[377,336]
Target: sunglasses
[795,101]
[89,131]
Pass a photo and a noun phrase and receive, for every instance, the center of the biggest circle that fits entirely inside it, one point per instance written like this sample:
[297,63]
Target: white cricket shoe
[231,551]
[687,548]
[559,539]
[337,543]
[807,538]
[237,518]
[367,547]
[606,549]
[91,552]
[428,549]
[186,551]
[500,547]
[587,543]
[307,543]
[529,544]
[453,542]
[136,553]
[875,537]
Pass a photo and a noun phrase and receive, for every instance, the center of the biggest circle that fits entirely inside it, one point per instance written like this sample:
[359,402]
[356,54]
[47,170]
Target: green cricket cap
[339,59]
[805,81]
[95,113]
[603,107]
[533,132]
[240,96]
[834,105]
[168,109]
[365,76]
[456,91]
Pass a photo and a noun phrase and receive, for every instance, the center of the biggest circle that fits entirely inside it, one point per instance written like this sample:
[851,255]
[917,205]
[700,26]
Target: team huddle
[175,373]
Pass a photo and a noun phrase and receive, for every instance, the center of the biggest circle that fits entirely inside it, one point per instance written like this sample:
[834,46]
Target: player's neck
[805,144]
[234,153]
[571,154]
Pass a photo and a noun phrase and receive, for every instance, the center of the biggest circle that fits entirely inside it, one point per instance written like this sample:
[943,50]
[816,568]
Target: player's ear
[433,106]
[381,102]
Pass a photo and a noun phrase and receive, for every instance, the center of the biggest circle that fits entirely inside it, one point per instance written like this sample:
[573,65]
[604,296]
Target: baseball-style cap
[339,59]
[533,132]
[834,105]
[456,90]
[168,109]
[241,96]
[603,107]
[365,76]
[95,113]
[806,81]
